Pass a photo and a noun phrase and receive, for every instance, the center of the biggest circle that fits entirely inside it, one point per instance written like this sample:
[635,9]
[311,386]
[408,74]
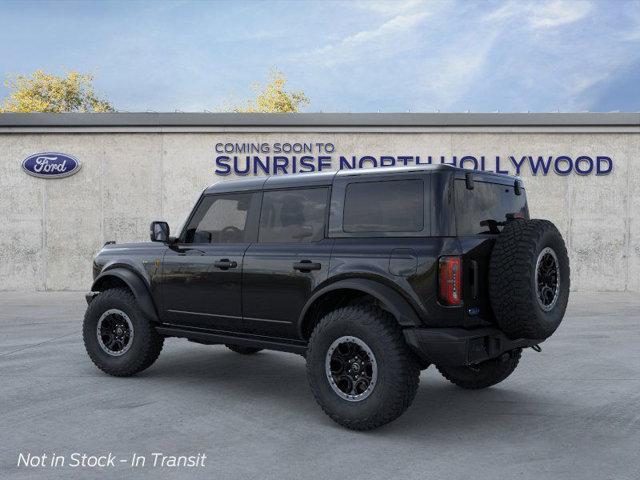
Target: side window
[389,206]
[293,215]
[220,219]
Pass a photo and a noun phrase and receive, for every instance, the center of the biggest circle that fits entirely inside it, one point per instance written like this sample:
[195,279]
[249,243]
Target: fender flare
[137,286]
[395,303]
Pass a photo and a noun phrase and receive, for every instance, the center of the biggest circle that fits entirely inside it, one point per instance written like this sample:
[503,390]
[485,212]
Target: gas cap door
[403,262]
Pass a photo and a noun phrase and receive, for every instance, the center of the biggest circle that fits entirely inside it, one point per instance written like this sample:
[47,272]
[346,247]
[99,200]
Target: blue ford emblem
[51,165]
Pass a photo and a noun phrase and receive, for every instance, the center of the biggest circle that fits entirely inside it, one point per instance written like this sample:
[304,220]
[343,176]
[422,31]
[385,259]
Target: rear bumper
[457,346]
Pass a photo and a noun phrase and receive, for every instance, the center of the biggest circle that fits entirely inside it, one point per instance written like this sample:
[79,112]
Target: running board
[212,338]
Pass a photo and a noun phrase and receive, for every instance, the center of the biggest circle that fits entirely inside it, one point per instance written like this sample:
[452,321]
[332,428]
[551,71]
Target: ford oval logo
[51,165]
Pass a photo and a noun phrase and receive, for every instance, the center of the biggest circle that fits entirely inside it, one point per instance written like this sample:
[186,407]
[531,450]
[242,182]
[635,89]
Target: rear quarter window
[384,206]
[481,210]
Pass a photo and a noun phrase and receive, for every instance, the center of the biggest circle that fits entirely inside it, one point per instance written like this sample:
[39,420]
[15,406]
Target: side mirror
[159,232]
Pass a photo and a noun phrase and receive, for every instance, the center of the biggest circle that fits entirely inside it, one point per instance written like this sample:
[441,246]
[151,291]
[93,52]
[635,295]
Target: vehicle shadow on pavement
[280,380]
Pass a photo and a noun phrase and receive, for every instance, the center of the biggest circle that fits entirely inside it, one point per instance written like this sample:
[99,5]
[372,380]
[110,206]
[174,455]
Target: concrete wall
[51,228]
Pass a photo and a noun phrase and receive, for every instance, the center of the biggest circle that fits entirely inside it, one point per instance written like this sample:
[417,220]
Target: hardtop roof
[317,179]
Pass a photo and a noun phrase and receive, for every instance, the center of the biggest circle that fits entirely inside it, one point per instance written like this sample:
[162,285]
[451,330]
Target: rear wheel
[242,350]
[119,339]
[482,375]
[360,370]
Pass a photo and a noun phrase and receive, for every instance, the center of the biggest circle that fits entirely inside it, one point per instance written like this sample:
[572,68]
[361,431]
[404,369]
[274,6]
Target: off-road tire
[482,375]
[242,350]
[146,344]
[398,369]
[512,279]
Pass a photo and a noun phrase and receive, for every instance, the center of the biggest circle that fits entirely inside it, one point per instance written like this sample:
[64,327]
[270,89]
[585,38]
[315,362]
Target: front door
[202,272]
[289,260]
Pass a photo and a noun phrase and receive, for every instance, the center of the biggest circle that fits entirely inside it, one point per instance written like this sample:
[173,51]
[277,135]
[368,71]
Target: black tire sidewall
[548,321]
[512,279]
[125,363]
[392,371]
[369,405]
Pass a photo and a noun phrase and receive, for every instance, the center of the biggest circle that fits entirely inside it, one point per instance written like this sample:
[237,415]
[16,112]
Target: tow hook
[536,348]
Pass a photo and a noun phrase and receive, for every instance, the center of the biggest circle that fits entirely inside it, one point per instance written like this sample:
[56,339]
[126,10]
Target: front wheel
[360,370]
[119,339]
[482,375]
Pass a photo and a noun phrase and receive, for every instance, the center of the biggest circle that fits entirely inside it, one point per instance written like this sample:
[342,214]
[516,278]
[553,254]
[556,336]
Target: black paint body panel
[263,297]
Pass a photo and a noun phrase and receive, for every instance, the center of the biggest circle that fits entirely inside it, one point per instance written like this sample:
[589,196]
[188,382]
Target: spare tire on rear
[529,279]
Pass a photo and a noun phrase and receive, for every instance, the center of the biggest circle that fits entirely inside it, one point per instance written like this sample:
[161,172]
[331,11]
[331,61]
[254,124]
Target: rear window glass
[484,208]
[391,206]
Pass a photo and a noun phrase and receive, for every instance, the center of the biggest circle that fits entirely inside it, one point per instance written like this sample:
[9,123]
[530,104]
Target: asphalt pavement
[569,412]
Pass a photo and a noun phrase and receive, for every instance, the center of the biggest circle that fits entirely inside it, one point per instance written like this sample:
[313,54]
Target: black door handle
[306,266]
[225,264]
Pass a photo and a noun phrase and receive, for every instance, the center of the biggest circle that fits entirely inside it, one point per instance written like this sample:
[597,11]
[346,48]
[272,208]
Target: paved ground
[571,412]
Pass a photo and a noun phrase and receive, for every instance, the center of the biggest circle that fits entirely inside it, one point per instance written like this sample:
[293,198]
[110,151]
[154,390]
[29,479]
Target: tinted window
[391,206]
[293,215]
[481,209]
[220,219]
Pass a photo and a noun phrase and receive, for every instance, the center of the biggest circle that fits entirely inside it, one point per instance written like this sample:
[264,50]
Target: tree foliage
[43,92]
[273,98]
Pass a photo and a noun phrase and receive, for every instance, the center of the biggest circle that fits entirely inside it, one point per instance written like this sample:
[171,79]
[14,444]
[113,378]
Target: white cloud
[456,68]
[564,69]
[517,56]
[508,10]
[393,7]
[632,14]
[539,15]
[391,37]
[398,24]
[556,13]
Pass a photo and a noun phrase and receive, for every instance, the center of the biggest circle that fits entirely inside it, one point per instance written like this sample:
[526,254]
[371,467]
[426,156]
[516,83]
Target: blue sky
[348,56]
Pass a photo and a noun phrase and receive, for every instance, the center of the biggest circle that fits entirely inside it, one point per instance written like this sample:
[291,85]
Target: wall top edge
[613,129]
[320,120]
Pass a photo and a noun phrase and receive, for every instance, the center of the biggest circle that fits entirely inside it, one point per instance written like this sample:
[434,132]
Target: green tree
[43,92]
[273,98]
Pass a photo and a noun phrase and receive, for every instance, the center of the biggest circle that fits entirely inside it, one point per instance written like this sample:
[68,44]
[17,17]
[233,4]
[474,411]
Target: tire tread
[511,289]
[406,380]
[152,341]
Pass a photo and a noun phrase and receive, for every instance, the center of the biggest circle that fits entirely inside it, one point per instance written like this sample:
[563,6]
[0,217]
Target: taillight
[450,280]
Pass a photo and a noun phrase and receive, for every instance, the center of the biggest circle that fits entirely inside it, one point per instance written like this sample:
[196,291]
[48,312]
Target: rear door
[202,273]
[289,260]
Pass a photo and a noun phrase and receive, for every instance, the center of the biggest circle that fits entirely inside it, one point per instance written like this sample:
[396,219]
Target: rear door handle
[306,266]
[225,264]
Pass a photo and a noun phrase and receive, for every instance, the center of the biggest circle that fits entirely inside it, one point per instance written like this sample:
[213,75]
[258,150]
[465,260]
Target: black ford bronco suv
[372,275]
